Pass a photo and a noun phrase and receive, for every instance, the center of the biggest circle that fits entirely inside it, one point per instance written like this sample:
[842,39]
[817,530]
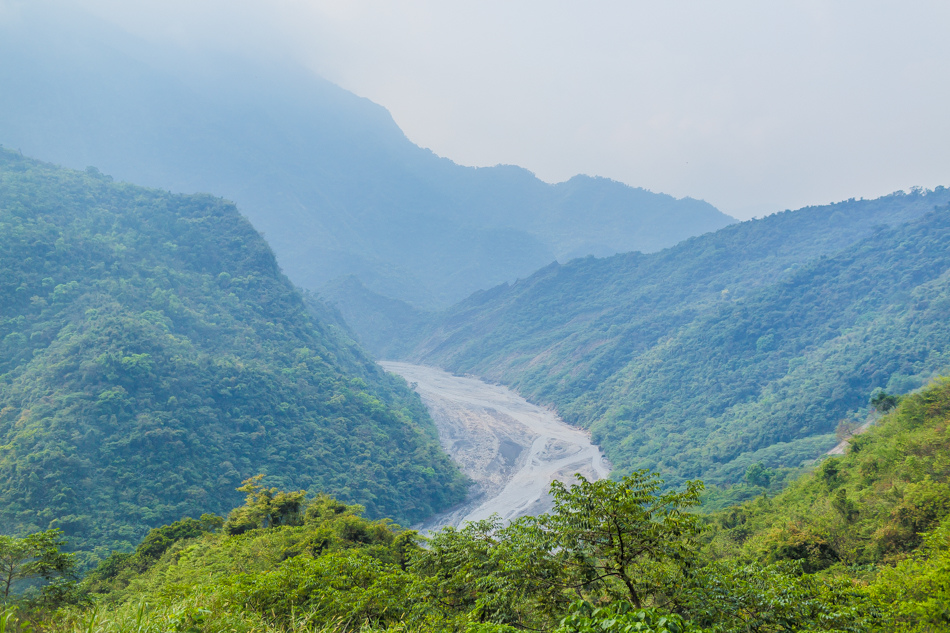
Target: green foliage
[883,401]
[485,573]
[152,356]
[744,346]
[603,540]
[759,475]
[265,507]
[621,617]
[347,588]
[807,560]
[777,597]
[625,538]
[866,507]
[919,587]
[328,563]
[37,556]
[119,567]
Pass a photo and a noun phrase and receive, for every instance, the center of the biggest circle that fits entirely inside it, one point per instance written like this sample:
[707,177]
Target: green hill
[878,515]
[152,356]
[861,544]
[749,344]
[867,507]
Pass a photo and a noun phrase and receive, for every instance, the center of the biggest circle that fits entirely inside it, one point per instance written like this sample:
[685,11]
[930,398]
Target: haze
[754,107]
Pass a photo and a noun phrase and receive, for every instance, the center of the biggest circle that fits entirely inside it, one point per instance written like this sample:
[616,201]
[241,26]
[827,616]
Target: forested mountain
[749,344]
[871,505]
[860,544]
[152,356]
[327,176]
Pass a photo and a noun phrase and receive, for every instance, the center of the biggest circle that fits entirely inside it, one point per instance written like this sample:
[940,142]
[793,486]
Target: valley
[354,386]
[511,449]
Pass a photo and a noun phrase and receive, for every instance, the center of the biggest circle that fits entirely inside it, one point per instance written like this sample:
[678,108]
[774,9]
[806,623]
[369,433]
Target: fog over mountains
[327,176]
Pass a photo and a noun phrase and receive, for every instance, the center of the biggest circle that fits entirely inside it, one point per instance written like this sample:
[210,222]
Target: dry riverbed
[509,447]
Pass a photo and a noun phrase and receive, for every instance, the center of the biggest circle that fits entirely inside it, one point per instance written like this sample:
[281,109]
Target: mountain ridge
[593,337]
[327,176]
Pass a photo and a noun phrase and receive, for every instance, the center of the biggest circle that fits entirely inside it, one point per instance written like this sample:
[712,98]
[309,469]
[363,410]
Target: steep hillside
[152,356]
[869,506]
[378,322]
[860,544]
[327,176]
[749,344]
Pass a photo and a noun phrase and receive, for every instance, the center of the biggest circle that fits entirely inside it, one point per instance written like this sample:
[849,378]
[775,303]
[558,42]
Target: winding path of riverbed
[509,447]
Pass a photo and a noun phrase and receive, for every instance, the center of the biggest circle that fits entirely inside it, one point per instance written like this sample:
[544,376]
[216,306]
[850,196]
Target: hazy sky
[753,106]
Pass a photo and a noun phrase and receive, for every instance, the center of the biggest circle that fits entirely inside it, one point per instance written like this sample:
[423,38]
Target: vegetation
[860,544]
[152,356]
[867,507]
[33,557]
[747,345]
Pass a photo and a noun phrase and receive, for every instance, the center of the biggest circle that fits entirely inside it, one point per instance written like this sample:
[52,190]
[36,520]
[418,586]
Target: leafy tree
[35,556]
[626,537]
[265,507]
[883,401]
[758,475]
[583,617]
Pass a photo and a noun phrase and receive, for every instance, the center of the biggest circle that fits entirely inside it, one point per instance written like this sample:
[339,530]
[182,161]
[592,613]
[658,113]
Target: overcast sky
[753,106]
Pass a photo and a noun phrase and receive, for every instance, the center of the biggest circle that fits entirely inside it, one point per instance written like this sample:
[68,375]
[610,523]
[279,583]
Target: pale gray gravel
[510,448]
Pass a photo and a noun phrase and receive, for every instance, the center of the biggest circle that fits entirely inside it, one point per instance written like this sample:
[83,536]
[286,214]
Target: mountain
[861,543]
[379,323]
[745,345]
[152,356]
[868,506]
[327,176]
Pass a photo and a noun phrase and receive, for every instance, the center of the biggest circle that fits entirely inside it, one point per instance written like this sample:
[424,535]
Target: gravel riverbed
[510,448]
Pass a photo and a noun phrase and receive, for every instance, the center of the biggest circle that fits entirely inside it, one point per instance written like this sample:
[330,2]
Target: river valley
[511,449]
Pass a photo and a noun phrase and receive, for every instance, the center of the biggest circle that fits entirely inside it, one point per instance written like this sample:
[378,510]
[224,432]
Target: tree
[883,401]
[265,507]
[626,537]
[758,475]
[35,556]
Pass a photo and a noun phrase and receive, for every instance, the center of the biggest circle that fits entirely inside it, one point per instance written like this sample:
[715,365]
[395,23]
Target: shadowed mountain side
[381,325]
[653,352]
[327,176]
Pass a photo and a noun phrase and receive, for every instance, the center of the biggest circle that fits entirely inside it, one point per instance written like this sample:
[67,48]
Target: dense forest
[153,356]
[747,345]
[326,175]
[860,544]
[191,442]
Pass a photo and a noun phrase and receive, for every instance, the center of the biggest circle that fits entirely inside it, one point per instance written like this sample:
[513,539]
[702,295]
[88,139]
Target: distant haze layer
[329,178]
[755,107]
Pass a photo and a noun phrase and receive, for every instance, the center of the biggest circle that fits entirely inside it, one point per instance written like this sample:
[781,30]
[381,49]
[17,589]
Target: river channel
[511,449]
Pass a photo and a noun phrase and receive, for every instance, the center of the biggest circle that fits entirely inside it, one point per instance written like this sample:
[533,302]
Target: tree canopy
[153,356]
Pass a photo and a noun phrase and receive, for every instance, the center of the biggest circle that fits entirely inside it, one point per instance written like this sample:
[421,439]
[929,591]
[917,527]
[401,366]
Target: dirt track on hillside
[509,447]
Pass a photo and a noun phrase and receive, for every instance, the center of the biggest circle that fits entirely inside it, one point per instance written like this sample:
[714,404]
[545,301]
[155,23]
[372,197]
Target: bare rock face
[511,449]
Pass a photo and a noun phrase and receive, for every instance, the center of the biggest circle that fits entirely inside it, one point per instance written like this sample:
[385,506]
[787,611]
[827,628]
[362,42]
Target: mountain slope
[861,543]
[327,176]
[868,506]
[745,345]
[152,356]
